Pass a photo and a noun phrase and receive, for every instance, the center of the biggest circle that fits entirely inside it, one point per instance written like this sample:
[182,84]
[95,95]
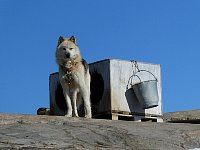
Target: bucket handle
[134,75]
[130,80]
[138,70]
[146,71]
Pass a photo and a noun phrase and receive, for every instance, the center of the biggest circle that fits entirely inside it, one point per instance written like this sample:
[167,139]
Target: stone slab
[192,116]
[59,132]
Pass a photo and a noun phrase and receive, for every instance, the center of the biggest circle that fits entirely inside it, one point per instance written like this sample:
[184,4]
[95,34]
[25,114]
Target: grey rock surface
[53,132]
[192,116]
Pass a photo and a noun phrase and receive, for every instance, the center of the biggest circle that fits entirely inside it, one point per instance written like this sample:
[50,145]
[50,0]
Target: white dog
[74,76]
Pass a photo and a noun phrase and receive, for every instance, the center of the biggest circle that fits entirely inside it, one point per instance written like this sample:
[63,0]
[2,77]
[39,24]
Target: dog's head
[67,49]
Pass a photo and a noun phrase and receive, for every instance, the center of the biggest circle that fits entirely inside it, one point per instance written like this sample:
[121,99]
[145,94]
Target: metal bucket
[146,92]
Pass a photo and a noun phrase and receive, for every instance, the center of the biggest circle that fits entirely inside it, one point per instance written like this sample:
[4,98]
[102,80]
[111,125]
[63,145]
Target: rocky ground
[192,116]
[53,132]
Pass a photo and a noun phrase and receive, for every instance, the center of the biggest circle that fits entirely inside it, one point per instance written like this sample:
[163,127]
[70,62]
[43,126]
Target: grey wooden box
[111,92]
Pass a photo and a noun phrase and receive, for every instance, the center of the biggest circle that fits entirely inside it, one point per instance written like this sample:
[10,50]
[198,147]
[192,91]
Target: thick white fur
[73,76]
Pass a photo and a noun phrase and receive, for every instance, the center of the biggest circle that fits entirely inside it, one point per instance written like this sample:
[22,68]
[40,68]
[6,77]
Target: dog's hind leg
[78,100]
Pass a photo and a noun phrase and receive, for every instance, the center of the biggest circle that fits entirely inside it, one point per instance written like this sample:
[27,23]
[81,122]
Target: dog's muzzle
[67,55]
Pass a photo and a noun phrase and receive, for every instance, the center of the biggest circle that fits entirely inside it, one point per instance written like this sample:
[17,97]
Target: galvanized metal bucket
[146,91]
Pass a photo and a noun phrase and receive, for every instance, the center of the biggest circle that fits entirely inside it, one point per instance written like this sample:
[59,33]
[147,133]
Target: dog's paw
[75,115]
[88,116]
[68,115]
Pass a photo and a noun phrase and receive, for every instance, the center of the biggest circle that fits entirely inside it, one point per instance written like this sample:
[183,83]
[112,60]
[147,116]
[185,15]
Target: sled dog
[74,76]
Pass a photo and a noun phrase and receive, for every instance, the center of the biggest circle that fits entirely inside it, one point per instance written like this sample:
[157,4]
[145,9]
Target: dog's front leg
[68,102]
[74,106]
[87,106]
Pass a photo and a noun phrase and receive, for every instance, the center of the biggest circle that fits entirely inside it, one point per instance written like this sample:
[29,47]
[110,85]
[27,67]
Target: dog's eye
[70,48]
[64,48]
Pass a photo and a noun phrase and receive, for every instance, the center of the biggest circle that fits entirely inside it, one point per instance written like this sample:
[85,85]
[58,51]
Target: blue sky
[154,31]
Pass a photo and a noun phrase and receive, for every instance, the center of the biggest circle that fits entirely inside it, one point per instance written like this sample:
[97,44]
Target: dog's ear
[73,39]
[60,40]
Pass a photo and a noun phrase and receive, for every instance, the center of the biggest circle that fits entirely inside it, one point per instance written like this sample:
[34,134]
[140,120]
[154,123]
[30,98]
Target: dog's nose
[67,55]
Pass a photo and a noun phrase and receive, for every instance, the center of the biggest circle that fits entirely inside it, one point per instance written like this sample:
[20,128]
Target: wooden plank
[114,117]
[117,115]
[136,113]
